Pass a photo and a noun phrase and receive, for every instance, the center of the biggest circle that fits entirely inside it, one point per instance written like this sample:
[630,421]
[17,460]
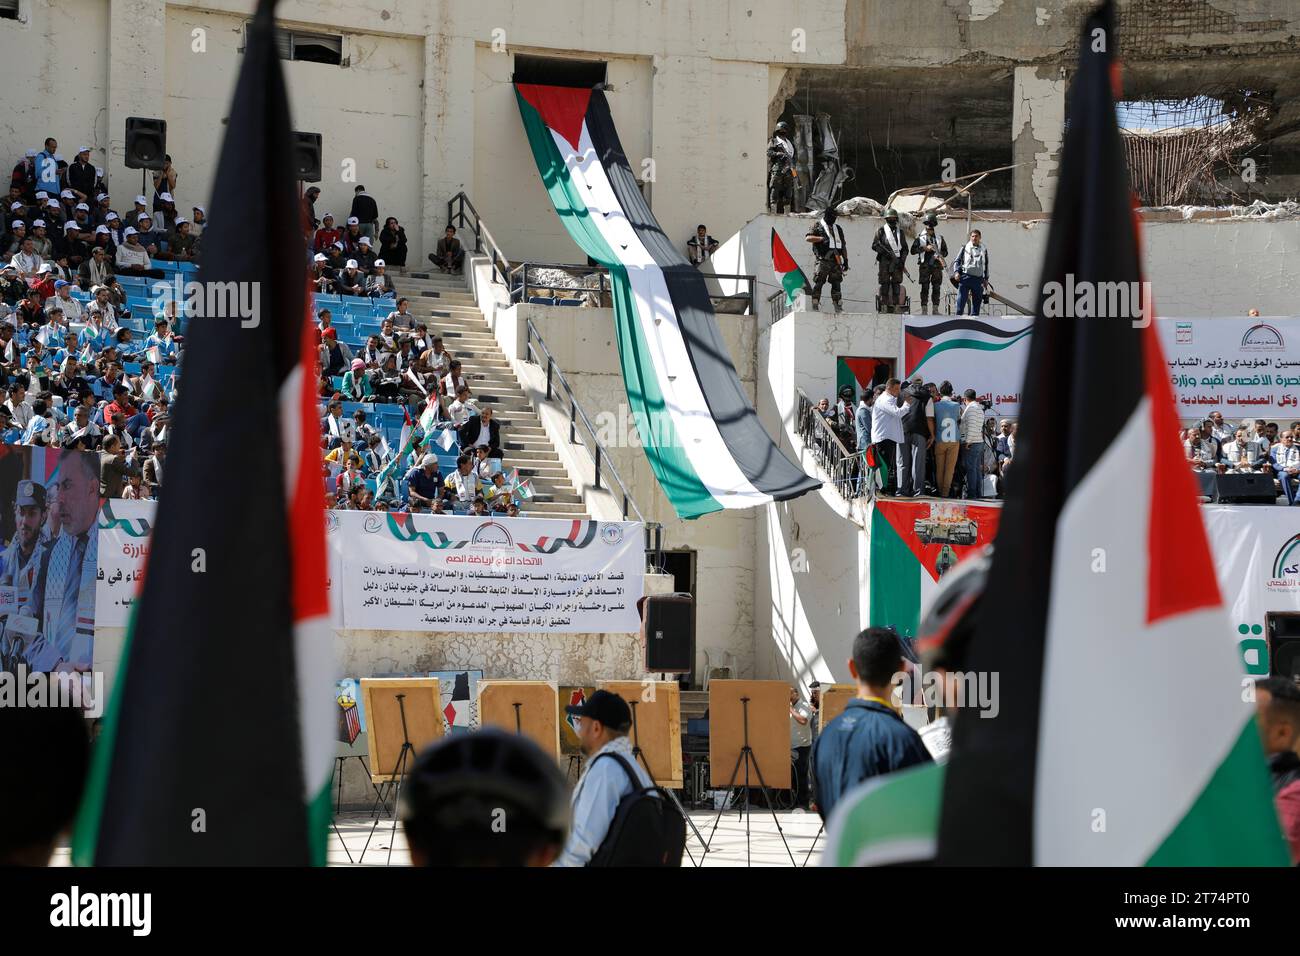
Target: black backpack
[647,829]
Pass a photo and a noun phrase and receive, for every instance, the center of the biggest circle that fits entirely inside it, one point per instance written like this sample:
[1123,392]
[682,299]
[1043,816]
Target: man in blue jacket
[869,738]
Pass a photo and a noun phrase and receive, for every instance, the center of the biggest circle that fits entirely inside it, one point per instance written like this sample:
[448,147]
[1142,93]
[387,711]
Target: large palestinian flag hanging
[913,545]
[699,430]
[944,347]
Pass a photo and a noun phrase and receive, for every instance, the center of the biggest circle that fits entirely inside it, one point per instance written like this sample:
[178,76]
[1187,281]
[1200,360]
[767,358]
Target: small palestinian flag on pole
[404,449]
[788,273]
[232,618]
[1123,737]
[877,471]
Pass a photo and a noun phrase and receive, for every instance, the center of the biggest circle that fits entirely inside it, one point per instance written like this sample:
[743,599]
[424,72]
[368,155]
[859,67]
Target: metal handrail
[778,305]
[555,377]
[519,283]
[456,216]
[846,468]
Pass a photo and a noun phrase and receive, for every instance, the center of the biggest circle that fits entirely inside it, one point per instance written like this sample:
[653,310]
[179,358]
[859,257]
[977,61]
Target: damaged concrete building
[929,91]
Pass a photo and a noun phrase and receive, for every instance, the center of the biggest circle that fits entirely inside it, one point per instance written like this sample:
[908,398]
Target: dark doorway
[555,71]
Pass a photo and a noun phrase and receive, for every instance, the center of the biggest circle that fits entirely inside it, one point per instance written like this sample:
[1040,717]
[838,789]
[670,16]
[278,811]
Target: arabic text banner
[1242,367]
[436,573]
[124,528]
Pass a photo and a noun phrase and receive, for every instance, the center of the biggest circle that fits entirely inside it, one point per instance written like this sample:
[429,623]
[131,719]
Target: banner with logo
[1257,555]
[124,528]
[1242,367]
[913,545]
[406,572]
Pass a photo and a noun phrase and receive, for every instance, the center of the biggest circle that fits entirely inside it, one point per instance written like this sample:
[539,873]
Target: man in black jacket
[832,254]
[366,210]
[81,176]
[481,429]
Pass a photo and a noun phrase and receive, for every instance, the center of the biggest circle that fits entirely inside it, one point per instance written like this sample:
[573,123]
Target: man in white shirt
[1222,430]
[972,444]
[887,430]
[462,408]
[19,405]
[131,256]
[63,299]
[80,427]
[611,773]
[26,260]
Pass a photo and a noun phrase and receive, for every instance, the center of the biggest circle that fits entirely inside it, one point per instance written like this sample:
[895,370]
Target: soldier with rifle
[780,169]
[931,251]
[832,257]
[890,247]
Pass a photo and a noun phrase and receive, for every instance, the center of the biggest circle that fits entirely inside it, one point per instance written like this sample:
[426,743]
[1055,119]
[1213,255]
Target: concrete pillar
[137,60]
[448,148]
[1037,121]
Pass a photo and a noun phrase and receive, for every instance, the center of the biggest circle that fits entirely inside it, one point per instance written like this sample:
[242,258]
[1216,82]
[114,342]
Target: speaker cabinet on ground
[668,632]
[306,156]
[1283,631]
[146,142]
[1246,489]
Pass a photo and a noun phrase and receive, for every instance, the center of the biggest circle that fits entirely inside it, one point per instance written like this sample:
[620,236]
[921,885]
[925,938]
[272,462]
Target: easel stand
[820,830]
[747,756]
[399,773]
[640,755]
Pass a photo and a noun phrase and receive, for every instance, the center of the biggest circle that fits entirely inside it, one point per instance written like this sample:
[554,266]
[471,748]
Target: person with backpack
[620,818]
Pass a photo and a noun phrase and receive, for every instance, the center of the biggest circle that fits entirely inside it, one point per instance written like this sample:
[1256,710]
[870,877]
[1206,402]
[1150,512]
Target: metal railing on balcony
[564,283]
[847,469]
[461,212]
[582,432]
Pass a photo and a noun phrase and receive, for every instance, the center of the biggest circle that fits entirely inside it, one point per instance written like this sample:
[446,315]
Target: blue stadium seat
[131,368]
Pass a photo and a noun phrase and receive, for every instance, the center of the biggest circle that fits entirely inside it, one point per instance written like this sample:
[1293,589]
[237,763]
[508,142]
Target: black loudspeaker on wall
[146,142]
[1246,489]
[306,156]
[668,632]
[1284,645]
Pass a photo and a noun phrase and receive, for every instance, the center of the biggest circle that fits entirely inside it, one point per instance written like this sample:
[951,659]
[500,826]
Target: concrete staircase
[444,304]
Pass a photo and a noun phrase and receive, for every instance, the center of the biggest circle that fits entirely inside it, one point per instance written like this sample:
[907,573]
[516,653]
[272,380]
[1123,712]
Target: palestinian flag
[1125,739]
[218,741]
[924,339]
[887,820]
[913,544]
[877,470]
[404,449]
[787,270]
[702,436]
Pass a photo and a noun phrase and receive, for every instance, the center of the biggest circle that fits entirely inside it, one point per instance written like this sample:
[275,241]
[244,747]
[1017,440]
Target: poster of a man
[48,570]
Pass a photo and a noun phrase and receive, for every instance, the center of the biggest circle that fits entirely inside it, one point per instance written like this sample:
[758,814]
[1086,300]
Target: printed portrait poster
[49,512]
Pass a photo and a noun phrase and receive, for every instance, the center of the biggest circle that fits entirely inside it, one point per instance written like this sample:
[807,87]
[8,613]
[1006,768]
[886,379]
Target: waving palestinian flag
[701,434]
[787,270]
[1124,738]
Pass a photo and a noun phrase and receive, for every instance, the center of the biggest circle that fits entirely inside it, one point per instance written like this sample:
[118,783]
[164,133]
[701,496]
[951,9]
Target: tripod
[640,755]
[399,772]
[747,756]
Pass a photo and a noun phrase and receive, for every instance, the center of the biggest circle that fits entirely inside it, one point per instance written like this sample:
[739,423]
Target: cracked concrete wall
[1037,131]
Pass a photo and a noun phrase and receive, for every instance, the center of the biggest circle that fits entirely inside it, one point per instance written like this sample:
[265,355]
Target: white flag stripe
[1135,719]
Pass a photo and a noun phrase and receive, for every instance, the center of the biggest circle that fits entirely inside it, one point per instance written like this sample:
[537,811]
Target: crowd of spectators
[80,371]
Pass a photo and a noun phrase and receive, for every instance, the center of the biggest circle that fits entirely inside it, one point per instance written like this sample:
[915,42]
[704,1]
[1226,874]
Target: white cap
[16,223]
[84,149]
[38,224]
[45,267]
[102,229]
[31,154]
[140,200]
[352,263]
[15,205]
[67,194]
[82,205]
[328,215]
[319,257]
[70,224]
[142,216]
[112,214]
[101,197]
[200,209]
[52,204]
[166,197]
[353,221]
[379,263]
[128,231]
[42,194]
[181,220]
[339,246]
[363,241]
